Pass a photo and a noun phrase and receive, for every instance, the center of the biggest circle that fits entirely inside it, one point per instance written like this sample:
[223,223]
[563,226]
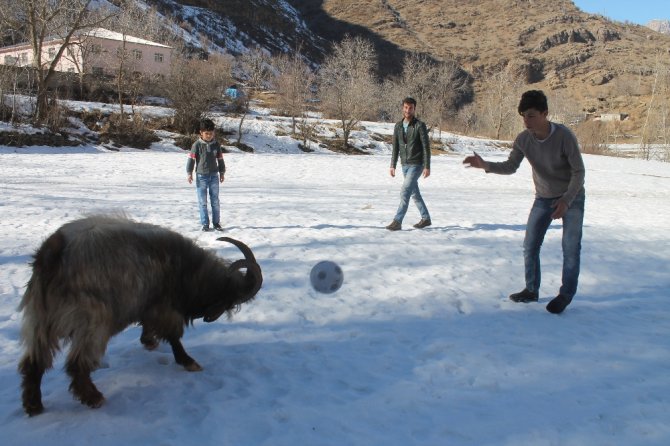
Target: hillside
[588,64]
[591,64]
[591,60]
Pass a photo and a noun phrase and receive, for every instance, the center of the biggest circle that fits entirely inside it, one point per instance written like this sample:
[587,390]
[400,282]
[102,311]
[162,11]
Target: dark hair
[409,100]
[206,125]
[533,99]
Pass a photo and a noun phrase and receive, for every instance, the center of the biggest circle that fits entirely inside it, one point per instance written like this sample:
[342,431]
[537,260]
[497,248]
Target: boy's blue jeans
[539,220]
[410,188]
[204,183]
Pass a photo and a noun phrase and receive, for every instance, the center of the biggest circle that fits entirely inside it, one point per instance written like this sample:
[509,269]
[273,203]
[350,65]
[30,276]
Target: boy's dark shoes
[558,304]
[218,227]
[205,228]
[524,296]
[423,223]
[394,226]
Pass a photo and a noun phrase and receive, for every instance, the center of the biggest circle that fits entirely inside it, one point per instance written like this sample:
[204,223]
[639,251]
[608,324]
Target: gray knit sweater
[558,168]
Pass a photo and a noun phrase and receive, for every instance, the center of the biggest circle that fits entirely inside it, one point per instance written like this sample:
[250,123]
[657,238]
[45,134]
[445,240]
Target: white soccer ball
[326,277]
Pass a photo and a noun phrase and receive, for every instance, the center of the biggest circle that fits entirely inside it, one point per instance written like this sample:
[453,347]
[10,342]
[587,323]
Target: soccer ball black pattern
[326,277]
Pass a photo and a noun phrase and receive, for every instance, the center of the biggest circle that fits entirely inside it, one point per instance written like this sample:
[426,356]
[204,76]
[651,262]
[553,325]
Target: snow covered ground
[419,347]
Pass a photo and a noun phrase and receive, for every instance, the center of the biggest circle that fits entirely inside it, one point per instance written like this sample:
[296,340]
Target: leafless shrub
[592,137]
[347,84]
[194,86]
[129,132]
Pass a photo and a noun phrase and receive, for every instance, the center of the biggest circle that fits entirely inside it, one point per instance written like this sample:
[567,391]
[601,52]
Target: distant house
[96,52]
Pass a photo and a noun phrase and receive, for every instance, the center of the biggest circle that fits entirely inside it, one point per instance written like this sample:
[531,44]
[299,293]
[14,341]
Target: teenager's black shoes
[524,296]
[558,304]
[218,227]
[205,228]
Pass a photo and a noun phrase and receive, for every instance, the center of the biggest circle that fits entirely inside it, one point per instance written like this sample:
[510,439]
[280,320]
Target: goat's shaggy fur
[95,276]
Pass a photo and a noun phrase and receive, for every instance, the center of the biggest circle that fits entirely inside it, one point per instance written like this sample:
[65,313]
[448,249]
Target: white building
[99,51]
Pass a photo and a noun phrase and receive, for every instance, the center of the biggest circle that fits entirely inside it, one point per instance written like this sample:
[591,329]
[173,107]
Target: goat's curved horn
[254,275]
[248,255]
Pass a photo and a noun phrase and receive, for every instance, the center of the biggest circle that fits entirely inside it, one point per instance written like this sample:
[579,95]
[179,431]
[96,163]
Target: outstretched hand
[475,161]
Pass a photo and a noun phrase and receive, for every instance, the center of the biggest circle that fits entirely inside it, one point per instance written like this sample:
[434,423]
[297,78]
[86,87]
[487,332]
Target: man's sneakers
[558,304]
[394,226]
[524,296]
[423,223]
[216,226]
[555,306]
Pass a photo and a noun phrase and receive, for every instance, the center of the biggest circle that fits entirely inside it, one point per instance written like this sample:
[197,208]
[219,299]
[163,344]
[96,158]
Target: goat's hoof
[33,409]
[193,367]
[93,401]
[150,345]
[96,404]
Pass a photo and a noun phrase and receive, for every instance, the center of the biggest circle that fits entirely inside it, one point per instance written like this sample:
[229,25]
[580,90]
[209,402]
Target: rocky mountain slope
[591,63]
[661,26]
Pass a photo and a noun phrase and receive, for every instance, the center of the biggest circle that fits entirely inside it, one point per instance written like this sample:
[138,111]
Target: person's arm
[425,145]
[191,162]
[395,151]
[221,164]
[503,168]
[577,169]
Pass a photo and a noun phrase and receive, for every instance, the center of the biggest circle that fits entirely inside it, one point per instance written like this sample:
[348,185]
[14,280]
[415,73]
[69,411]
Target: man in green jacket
[412,146]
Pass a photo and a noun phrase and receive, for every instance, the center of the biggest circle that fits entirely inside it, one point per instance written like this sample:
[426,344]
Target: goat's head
[251,283]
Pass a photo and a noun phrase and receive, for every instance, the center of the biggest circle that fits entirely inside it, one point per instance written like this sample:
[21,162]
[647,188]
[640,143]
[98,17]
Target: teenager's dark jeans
[539,220]
[410,188]
[203,184]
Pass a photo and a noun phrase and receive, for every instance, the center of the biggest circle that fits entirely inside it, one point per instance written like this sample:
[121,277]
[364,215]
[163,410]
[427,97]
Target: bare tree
[194,86]
[243,108]
[41,21]
[500,94]
[437,87]
[417,80]
[347,84]
[449,84]
[256,65]
[293,84]
[655,127]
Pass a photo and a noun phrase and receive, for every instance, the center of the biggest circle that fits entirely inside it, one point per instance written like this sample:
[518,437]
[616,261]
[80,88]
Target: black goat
[95,276]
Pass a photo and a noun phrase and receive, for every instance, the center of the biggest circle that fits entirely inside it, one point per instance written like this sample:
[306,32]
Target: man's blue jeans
[203,184]
[539,220]
[410,188]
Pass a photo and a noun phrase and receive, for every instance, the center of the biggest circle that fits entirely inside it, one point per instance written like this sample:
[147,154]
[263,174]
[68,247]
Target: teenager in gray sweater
[558,173]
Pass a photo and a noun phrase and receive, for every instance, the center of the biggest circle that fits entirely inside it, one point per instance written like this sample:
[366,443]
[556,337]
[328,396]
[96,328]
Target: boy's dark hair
[533,99]
[409,100]
[206,125]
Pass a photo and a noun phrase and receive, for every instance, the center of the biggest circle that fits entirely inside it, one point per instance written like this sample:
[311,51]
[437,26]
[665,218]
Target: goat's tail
[38,335]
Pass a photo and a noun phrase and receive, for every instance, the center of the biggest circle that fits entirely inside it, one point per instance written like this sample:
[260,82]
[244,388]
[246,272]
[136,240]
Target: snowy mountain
[236,26]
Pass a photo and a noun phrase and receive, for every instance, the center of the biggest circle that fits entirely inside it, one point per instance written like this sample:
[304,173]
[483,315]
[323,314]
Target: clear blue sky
[636,11]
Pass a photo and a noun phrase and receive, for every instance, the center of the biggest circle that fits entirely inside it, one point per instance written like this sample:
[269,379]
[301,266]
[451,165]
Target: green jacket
[413,148]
